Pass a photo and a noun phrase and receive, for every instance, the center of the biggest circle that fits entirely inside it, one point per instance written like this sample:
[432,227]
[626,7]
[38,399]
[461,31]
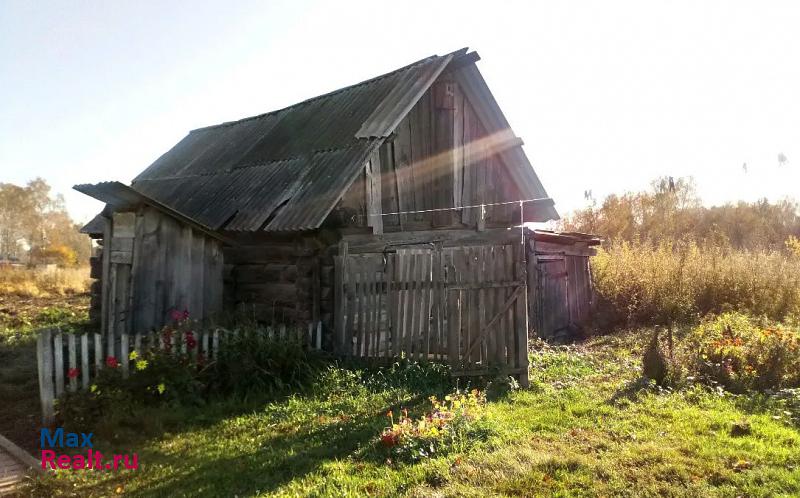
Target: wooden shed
[560,292]
[387,211]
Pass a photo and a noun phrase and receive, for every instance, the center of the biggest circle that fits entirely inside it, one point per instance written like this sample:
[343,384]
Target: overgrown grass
[20,318]
[589,426]
[638,283]
[43,282]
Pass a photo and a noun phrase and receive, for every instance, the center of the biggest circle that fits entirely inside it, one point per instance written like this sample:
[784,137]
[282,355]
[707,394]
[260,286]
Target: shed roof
[286,169]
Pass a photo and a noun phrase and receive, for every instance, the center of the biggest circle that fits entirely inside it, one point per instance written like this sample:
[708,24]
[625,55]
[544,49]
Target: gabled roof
[287,169]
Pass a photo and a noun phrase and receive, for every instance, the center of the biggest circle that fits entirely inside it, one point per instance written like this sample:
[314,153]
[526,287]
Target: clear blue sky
[607,95]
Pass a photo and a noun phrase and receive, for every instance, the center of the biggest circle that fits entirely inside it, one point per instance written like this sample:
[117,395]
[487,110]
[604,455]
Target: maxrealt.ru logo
[92,459]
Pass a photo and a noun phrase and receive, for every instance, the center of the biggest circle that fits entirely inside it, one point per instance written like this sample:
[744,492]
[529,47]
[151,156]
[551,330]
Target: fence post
[521,317]
[44,357]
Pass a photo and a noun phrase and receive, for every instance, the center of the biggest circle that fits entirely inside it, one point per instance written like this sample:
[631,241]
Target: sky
[606,95]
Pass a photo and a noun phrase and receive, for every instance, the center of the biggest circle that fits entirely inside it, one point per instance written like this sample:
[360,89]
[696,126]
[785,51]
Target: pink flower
[176,315]
[112,362]
[73,372]
[185,314]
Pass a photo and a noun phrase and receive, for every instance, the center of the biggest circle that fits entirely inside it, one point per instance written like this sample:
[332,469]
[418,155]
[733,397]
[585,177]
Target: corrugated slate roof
[286,169]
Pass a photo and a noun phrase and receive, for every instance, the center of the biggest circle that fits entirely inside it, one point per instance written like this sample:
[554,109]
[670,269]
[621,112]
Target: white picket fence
[59,354]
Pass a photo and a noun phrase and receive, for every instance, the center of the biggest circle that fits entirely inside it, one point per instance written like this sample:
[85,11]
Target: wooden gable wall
[438,157]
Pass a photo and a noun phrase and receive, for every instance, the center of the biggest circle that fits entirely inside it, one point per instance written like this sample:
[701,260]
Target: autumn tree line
[666,258]
[35,227]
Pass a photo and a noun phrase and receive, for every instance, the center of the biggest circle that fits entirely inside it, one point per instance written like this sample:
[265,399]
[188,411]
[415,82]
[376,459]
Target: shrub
[415,376]
[454,424]
[743,353]
[252,362]
[643,284]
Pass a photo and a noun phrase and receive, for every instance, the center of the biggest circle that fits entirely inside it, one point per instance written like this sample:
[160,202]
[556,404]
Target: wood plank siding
[440,156]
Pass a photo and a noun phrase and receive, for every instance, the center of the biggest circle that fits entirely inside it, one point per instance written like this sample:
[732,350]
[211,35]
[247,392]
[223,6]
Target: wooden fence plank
[44,357]
[391,305]
[98,352]
[58,359]
[123,353]
[411,296]
[425,307]
[85,361]
[73,362]
[522,319]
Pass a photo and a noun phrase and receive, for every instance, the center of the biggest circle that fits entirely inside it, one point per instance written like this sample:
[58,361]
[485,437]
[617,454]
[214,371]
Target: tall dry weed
[642,283]
[39,282]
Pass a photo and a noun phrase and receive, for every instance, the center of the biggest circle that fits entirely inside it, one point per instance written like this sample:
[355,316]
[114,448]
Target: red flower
[73,372]
[185,314]
[176,315]
[388,439]
[112,362]
[191,342]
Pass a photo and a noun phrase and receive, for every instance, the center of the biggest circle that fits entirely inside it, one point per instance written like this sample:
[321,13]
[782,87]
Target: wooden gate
[463,305]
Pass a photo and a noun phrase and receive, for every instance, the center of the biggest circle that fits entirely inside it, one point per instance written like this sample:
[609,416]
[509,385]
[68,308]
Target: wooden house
[388,212]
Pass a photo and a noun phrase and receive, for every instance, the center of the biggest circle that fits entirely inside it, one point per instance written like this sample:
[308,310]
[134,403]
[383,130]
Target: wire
[520,202]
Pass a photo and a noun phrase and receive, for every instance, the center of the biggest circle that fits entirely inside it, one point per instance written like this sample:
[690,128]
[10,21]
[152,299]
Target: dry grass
[43,282]
[641,283]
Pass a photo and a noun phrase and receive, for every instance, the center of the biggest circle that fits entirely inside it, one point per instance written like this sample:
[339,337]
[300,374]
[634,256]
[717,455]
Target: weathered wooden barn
[388,211]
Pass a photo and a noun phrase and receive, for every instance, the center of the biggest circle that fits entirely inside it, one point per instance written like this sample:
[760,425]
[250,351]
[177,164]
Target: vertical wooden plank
[58,359]
[438,302]
[319,336]
[215,345]
[360,305]
[402,165]
[397,282]
[123,353]
[453,312]
[197,295]
[489,300]
[413,303]
[501,273]
[521,316]
[73,362]
[425,308]
[137,343]
[112,309]
[458,154]
[340,298]
[404,259]
[476,308]
[85,361]
[44,357]
[350,305]
[105,278]
[509,332]
[98,352]
[444,149]
[132,302]
[376,344]
[391,305]
[372,171]
[369,308]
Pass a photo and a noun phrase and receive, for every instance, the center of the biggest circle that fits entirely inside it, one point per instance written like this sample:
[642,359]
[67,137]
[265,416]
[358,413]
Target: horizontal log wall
[274,279]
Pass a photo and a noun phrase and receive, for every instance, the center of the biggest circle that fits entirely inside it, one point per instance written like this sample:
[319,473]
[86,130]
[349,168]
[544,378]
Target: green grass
[587,427]
[20,318]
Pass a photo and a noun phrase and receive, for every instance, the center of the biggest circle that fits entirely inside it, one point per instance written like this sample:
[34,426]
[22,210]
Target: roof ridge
[324,95]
